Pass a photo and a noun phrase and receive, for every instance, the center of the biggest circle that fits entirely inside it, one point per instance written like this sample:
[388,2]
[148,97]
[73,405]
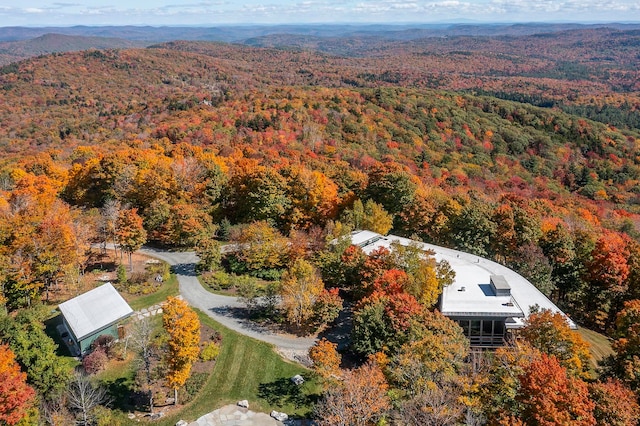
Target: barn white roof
[94,310]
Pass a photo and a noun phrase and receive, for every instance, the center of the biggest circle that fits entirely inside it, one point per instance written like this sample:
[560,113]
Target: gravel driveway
[225,309]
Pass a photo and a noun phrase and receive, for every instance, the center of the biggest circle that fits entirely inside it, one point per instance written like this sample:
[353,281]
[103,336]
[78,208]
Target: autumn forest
[524,149]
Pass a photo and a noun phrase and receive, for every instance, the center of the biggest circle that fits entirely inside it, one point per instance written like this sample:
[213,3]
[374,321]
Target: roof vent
[462,288]
[500,285]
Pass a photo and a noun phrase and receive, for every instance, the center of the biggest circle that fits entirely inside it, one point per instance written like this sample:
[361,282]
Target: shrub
[235,265]
[95,361]
[117,350]
[148,288]
[162,269]
[122,275]
[138,278]
[210,351]
[104,342]
[192,387]
[271,274]
[134,289]
[218,280]
[106,417]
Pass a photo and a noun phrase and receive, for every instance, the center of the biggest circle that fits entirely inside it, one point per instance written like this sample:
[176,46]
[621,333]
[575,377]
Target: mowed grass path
[249,369]
[600,345]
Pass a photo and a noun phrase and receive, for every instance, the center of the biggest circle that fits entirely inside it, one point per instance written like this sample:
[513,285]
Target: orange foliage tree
[549,397]
[607,271]
[626,360]
[326,359]
[16,396]
[183,326]
[130,233]
[549,332]
[616,404]
[359,400]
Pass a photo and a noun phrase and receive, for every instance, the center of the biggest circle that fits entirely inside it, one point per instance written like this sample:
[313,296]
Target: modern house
[487,299]
[93,314]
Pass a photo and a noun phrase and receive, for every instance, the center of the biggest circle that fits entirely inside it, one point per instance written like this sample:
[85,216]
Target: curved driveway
[224,309]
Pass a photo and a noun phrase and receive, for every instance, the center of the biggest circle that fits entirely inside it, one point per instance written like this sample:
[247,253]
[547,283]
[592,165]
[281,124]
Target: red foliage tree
[374,266]
[95,361]
[16,396]
[609,261]
[401,308]
[392,281]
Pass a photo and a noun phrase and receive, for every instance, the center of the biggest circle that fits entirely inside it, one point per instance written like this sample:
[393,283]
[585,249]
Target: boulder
[244,403]
[182,423]
[281,417]
[297,380]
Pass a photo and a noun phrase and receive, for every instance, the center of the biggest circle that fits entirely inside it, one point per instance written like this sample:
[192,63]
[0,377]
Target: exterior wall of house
[71,341]
[483,332]
[85,344]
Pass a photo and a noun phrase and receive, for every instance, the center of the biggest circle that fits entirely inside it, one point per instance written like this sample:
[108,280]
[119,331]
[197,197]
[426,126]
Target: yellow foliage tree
[183,326]
[376,218]
[421,267]
[261,246]
[301,286]
[431,288]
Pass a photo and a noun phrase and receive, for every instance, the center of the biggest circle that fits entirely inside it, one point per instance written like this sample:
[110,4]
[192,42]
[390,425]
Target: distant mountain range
[240,33]
[17,43]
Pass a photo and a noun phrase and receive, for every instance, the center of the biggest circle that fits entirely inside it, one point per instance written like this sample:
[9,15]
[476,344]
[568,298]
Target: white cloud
[193,12]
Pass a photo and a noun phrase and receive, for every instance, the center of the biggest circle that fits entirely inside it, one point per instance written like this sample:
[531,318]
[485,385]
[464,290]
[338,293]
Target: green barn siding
[85,344]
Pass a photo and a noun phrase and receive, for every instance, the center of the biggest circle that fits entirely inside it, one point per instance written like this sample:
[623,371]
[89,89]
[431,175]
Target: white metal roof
[473,273]
[364,238]
[94,310]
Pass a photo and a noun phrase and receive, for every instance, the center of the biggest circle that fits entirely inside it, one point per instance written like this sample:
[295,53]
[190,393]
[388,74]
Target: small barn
[93,314]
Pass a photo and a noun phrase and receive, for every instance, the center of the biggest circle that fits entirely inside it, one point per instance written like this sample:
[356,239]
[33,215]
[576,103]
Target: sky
[218,12]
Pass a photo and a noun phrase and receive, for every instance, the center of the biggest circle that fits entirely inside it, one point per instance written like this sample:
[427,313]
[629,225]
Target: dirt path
[225,309]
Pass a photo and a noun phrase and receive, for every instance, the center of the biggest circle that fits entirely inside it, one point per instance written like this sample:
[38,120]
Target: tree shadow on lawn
[248,319]
[283,392]
[121,395]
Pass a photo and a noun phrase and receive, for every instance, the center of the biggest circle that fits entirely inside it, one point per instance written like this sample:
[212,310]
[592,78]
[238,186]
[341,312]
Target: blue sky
[215,12]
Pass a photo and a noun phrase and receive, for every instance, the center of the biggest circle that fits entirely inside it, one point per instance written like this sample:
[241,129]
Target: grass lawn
[249,369]
[168,288]
[119,379]
[600,345]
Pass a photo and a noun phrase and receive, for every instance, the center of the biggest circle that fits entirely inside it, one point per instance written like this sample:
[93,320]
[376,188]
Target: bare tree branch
[83,397]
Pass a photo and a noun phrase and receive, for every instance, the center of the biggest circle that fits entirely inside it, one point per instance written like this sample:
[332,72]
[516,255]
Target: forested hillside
[248,134]
[12,51]
[193,138]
